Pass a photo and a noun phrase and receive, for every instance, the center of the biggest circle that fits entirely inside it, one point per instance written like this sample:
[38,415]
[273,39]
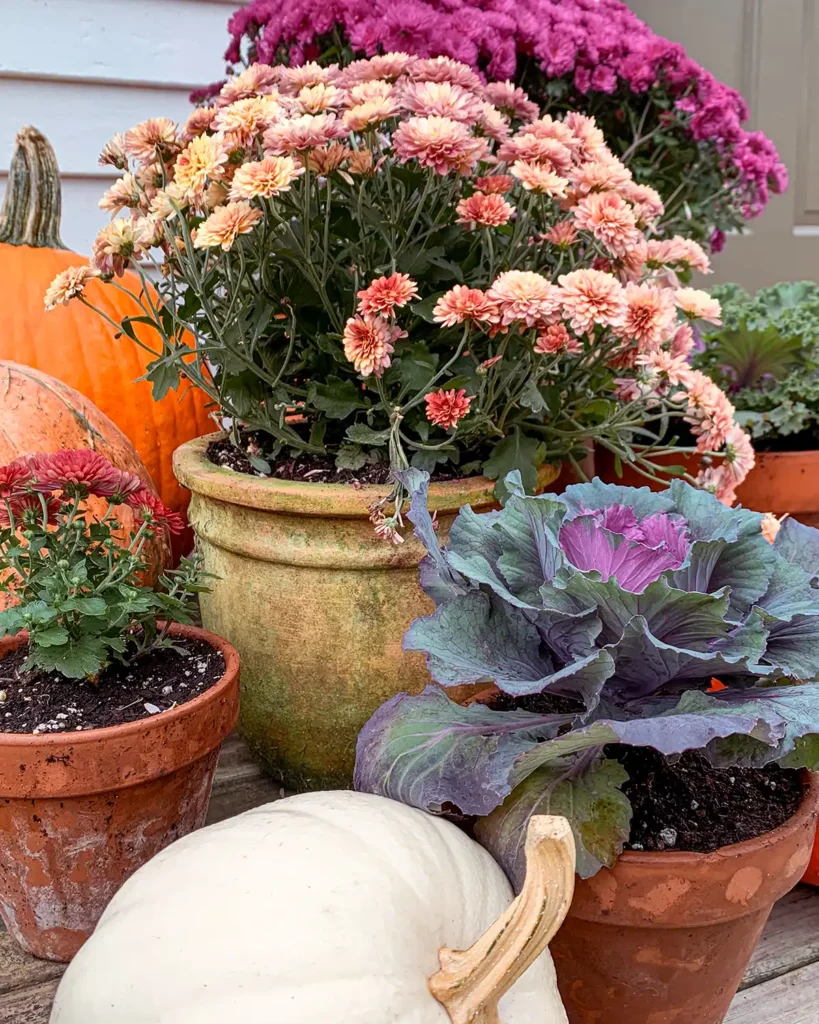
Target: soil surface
[317,469]
[690,805]
[45,702]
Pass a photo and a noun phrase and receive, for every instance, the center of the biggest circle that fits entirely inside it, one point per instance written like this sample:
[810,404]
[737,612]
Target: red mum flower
[447,407]
[26,508]
[13,479]
[148,508]
[80,472]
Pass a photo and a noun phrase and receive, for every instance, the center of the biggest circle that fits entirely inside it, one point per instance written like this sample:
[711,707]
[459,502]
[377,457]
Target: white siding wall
[81,70]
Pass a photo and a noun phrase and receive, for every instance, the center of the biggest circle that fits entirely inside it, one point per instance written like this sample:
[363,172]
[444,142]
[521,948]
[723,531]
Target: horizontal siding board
[79,119]
[174,41]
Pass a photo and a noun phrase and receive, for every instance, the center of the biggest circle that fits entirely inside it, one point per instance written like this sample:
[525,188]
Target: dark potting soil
[686,804]
[317,469]
[45,702]
[689,804]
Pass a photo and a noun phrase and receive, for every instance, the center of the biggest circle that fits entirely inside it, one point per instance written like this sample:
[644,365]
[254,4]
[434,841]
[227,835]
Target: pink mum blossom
[368,343]
[650,315]
[446,408]
[386,293]
[486,211]
[525,296]
[461,303]
[592,297]
[438,142]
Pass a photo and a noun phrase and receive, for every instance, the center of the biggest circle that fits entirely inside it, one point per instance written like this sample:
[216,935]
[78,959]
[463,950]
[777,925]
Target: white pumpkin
[331,908]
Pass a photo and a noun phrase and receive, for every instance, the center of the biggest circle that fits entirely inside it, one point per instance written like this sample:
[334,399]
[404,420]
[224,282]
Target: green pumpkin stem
[31,209]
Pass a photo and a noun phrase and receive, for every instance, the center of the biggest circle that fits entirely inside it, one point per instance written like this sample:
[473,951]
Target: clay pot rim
[680,858]
[195,471]
[810,454]
[77,738]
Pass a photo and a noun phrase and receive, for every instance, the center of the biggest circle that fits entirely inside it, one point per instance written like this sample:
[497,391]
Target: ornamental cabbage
[622,605]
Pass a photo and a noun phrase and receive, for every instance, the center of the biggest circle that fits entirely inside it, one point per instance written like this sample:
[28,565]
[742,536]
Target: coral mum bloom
[488,211]
[525,295]
[592,297]
[386,293]
[265,178]
[438,142]
[225,224]
[445,408]
[610,219]
[463,303]
[368,344]
[80,472]
[698,305]
[650,315]
[149,508]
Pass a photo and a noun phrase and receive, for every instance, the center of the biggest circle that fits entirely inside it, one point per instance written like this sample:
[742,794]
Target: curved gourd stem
[33,201]
[471,982]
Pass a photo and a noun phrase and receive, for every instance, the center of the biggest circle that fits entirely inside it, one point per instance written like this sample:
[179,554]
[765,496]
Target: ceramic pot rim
[202,723]
[195,471]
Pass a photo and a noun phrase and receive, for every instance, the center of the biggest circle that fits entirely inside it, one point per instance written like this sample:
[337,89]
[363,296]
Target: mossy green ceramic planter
[314,602]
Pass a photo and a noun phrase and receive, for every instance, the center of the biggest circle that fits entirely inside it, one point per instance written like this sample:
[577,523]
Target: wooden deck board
[780,987]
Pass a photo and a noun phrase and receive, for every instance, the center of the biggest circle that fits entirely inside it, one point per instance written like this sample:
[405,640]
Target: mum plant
[677,127]
[75,580]
[766,357]
[392,264]
[618,607]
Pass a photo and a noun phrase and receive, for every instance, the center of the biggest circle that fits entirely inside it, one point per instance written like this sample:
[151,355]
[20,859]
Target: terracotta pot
[81,811]
[315,603]
[784,482]
[665,938]
[604,467]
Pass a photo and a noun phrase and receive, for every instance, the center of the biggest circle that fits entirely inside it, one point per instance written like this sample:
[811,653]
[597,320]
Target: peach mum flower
[264,178]
[225,224]
[530,148]
[487,211]
[113,153]
[592,297]
[293,80]
[313,99]
[492,123]
[326,159]
[445,408]
[650,315]
[462,303]
[385,66]
[678,251]
[68,285]
[151,139]
[247,118]
[361,161]
[123,194]
[714,479]
[770,526]
[442,98]
[683,341]
[386,293]
[438,142]
[198,123]
[116,245]
[555,338]
[547,127]
[257,79]
[526,296]
[739,457]
[444,69]
[630,265]
[646,201]
[563,234]
[373,112]
[539,178]
[590,143]
[512,99]
[494,183]
[204,157]
[600,176]
[166,202]
[368,343]
[610,219]
[303,132]
[670,369]
[709,411]
[366,92]
[698,305]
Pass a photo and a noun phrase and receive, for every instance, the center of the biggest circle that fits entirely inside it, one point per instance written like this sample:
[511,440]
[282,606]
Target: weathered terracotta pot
[604,468]
[314,602]
[81,811]
[784,482]
[665,938]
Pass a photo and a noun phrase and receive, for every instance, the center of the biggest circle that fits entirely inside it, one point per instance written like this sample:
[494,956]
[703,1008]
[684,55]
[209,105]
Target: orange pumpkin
[73,341]
[39,413]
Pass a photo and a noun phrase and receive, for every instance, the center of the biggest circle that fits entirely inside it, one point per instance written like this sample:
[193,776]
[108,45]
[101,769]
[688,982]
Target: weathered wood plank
[19,970]
[790,940]
[788,999]
[28,1006]
[240,783]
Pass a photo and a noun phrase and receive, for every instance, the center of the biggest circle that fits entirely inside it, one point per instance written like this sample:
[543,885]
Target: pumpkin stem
[31,209]
[471,982]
